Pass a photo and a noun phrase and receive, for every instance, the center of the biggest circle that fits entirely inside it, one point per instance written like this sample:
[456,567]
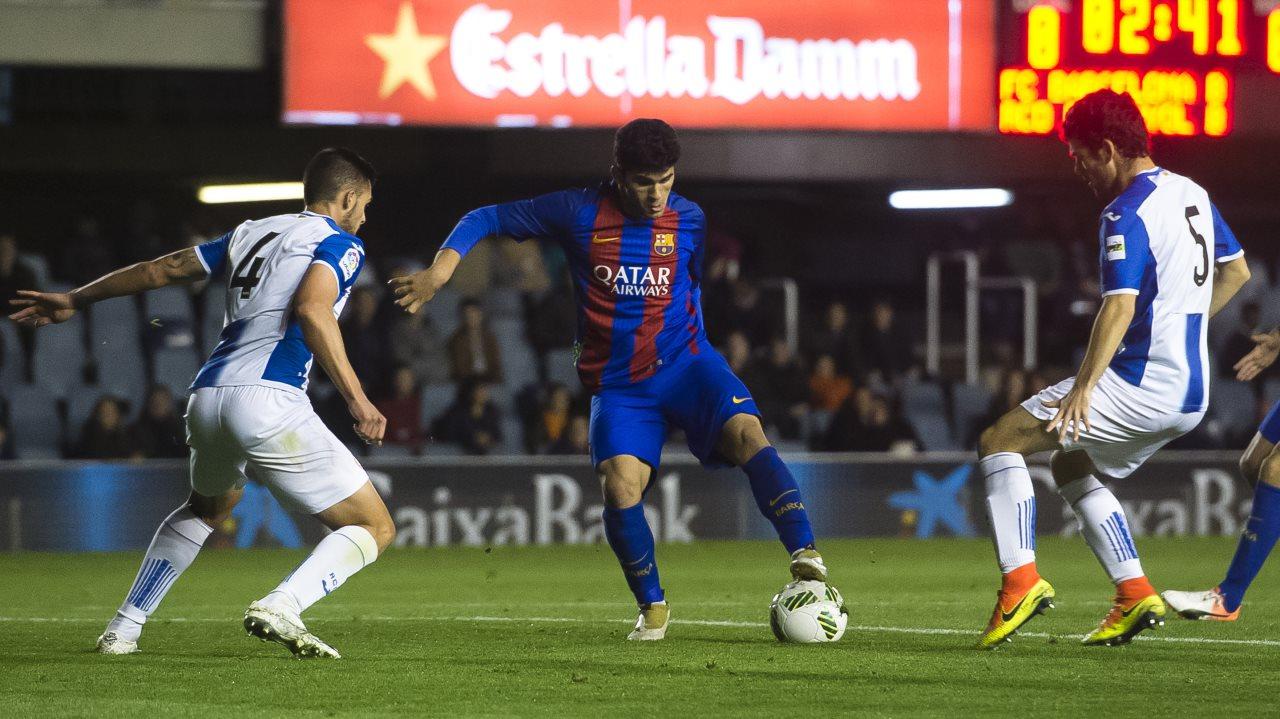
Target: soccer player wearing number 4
[288,278]
[1169,263]
[635,250]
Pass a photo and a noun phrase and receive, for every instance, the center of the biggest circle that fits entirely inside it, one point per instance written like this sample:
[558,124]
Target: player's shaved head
[1108,115]
[332,171]
[645,145]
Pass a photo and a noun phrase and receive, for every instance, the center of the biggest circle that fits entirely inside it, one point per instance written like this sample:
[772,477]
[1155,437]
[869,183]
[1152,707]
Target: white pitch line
[870,629]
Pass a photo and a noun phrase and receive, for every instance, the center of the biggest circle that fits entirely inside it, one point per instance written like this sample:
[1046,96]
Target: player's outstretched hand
[1073,412]
[370,425]
[415,290]
[1260,357]
[42,308]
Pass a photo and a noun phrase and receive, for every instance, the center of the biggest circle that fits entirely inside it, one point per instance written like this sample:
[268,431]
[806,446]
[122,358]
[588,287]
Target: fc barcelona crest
[664,243]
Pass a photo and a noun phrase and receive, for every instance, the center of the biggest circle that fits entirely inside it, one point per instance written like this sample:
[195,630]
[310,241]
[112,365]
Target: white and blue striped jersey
[1161,239]
[261,342]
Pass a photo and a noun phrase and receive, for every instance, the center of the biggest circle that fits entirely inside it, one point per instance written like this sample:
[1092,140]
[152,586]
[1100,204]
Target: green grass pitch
[539,632]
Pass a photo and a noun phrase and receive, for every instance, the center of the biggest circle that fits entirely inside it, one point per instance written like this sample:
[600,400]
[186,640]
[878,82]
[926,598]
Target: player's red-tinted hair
[1108,115]
[645,145]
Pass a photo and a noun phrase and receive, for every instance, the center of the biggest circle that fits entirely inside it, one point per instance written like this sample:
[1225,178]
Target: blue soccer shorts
[698,393]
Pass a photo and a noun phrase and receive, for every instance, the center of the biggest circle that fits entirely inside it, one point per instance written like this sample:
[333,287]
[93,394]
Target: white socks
[1011,507]
[173,548]
[1103,524]
[337,557]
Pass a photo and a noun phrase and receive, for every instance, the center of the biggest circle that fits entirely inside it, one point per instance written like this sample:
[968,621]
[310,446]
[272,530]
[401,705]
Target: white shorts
[1126,428]
[278,437]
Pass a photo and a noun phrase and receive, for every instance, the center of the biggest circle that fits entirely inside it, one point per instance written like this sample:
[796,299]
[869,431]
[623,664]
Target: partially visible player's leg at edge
[362,529]
[1260,465]
[742,442]
[1011,508]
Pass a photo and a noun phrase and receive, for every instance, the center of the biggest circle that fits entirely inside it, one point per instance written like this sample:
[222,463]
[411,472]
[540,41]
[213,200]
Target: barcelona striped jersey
[636,281]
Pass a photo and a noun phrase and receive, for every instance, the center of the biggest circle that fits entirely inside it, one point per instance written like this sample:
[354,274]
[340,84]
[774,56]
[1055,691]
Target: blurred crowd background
[487,367]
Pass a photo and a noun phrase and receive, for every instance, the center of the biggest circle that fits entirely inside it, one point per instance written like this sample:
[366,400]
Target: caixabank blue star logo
[937,502]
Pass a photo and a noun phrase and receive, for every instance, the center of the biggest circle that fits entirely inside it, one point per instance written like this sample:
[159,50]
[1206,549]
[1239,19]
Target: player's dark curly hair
[1108,115]
[645,145]
[332,170]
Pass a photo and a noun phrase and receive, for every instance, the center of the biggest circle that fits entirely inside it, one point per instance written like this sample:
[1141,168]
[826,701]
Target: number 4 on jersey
[247,281]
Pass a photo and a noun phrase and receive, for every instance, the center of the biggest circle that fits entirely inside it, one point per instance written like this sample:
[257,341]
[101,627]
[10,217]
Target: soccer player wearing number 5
[1261,466]
[635,251]
[1169,263]
[288,278]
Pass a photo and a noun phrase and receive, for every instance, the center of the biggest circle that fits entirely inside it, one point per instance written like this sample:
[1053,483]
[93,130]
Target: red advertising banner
[837,64]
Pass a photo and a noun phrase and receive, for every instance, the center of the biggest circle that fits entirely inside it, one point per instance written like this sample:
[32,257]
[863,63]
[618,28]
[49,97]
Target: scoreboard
[1183,61]
[1197,68]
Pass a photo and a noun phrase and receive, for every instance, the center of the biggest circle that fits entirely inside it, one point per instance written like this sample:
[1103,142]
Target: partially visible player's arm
[1262,356]
[42,308]
[1227,281]
[1108,330]
[1228,256]
[313,307]
[544,216]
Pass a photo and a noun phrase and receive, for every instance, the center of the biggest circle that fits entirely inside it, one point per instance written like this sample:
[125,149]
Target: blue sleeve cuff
[473,227]
[342,256]
[213,254]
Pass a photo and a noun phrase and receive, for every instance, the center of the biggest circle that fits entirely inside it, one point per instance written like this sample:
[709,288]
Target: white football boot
[1200,605]
[807,565]
[652,623]
[112,643]
[274,623]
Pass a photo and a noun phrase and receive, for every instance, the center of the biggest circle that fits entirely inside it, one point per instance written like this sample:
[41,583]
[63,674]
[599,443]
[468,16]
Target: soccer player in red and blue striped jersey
[635,250]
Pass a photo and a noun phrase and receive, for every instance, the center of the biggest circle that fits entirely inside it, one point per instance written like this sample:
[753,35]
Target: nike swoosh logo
[780,496]
[740,400]
[1113,217]
[1129,611]
[598,240]
[1006,616]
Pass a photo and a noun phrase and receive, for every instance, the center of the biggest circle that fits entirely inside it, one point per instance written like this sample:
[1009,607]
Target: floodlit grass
[539,631]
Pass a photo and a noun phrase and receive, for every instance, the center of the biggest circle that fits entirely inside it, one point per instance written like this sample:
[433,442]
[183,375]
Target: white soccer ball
[808,612]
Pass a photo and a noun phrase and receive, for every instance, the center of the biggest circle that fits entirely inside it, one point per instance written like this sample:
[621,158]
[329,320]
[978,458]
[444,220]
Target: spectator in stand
[745,313]
[403,409]
[416,343]
[16,276]
[85,255]
[6,443]
[828,389]
[780,390]
[550,321]
[737,352]
[837,338]
[366,343]
[886,352]
[553,418]
[721,267]
[7,450]
[867,422]
[104,435]
[473,422]
[575,439]
[1241,343]
[473,350]
[159,431]
[1016,384]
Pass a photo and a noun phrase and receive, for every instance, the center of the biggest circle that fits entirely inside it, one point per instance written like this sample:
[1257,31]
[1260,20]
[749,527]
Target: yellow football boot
[1132,612]
[1017,607]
